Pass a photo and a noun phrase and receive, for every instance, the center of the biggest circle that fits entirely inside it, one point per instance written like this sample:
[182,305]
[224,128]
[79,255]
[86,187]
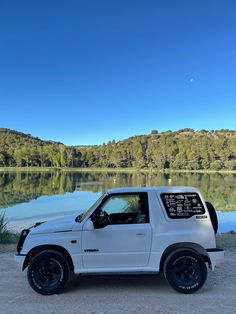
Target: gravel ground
[116,294]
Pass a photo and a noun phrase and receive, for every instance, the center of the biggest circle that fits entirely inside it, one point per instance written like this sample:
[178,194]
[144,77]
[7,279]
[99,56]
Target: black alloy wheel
[48,272]
[185,270]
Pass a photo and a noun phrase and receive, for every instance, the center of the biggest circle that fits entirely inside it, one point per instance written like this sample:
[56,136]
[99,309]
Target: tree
[2,160]
[154,132]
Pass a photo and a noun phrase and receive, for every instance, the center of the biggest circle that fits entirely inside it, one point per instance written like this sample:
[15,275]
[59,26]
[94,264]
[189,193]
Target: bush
[5,235]
[230,164]
[217,165]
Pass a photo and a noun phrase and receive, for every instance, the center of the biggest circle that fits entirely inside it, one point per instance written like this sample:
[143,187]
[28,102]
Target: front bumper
[216,257]
[19,258]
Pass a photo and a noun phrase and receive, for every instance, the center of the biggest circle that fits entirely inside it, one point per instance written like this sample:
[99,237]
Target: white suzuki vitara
[128,230]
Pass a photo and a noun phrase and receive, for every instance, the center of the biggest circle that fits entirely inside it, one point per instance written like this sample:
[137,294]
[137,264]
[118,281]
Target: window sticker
[182,205]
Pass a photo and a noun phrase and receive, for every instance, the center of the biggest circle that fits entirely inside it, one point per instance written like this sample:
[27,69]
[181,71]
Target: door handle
[140,234]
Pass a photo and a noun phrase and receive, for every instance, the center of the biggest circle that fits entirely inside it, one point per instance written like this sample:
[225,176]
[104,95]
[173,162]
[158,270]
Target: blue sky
[85,72]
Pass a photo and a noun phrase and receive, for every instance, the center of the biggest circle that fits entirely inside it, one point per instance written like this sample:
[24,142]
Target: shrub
[5,235]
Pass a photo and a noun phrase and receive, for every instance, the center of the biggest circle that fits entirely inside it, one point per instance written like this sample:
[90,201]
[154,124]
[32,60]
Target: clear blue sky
[85,72]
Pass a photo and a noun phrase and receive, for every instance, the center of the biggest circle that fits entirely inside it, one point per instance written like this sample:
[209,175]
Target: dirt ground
[117,294]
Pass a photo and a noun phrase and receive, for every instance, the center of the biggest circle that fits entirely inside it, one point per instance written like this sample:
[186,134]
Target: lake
[27,197]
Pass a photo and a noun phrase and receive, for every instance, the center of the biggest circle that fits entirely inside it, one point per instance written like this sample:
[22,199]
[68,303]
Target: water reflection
[19,187]
[31,196]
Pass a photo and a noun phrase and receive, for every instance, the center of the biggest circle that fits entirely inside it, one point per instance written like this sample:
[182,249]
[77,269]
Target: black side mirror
[100,220]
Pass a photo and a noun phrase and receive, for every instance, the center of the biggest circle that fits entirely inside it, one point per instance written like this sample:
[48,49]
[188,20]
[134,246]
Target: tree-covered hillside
[23,150]
[183,149]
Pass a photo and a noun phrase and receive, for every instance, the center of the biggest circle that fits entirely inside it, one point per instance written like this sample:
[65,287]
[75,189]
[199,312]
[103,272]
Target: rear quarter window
[182,205]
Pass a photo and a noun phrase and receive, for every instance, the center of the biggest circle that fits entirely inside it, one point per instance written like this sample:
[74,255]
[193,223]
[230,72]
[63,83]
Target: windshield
[88,211]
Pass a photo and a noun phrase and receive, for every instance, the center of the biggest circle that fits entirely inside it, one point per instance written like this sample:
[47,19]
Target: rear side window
[182,205]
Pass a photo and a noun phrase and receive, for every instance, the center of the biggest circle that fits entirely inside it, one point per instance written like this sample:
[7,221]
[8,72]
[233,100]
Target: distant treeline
[183,149]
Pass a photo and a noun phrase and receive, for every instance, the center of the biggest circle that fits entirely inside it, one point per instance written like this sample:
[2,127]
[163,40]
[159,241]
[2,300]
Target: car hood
[64,224]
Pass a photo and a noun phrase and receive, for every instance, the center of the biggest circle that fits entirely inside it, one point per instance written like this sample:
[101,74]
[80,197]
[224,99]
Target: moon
[191,80]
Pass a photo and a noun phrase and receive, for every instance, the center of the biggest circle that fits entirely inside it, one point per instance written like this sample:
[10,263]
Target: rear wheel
[185,271]
[48,272]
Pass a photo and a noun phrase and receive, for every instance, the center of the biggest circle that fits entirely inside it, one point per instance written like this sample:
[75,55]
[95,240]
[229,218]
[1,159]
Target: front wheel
[185,271]
[48,272]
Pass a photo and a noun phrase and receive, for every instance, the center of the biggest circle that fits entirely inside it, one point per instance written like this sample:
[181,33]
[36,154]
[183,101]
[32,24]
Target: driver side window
[125,209]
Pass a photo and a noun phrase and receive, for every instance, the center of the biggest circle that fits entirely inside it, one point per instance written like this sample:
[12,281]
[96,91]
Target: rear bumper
[216,257]
[20,260]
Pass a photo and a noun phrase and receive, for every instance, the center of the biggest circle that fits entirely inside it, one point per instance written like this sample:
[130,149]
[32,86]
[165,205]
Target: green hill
[24,150]
[183,149]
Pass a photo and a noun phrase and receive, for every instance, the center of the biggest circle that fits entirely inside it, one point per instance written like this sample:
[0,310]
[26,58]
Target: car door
[122,233]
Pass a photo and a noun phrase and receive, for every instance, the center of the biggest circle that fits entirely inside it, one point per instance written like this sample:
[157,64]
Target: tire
[185,271]
[213,216]
[48,272]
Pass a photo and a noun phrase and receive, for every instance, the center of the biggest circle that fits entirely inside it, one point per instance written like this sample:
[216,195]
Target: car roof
[158,189]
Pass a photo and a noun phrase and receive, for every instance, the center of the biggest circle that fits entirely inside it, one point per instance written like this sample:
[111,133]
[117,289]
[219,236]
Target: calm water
[29,197]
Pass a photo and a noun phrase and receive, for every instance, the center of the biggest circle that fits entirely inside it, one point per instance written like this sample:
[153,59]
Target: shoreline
[124,170]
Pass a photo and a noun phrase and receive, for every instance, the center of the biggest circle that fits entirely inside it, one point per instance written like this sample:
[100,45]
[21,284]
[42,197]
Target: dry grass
[5,235]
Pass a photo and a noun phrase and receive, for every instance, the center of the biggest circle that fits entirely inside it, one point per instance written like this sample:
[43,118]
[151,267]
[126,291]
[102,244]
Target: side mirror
[100,219]
[88,226]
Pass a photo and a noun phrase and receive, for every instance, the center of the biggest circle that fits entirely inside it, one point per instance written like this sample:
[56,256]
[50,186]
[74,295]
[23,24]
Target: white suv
[128,230]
